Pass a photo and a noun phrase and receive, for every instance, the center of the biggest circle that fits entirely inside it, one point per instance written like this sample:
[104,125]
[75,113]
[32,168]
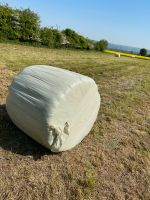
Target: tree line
[23,25]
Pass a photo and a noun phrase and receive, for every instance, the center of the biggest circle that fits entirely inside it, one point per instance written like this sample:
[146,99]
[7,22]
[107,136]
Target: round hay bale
[117,55]
[54,106]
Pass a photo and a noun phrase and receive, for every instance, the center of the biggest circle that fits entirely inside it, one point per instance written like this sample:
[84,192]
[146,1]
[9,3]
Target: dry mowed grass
[112,162]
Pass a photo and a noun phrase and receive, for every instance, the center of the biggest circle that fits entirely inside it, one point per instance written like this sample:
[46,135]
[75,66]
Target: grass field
[112,162]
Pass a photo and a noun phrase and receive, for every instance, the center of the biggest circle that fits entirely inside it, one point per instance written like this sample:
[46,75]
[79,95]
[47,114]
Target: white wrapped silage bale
[55,107]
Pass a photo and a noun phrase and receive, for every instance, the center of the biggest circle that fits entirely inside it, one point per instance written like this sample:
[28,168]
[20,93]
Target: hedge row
[23,25]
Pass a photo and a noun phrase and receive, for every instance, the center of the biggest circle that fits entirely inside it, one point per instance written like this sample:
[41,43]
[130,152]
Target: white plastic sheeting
[55,107]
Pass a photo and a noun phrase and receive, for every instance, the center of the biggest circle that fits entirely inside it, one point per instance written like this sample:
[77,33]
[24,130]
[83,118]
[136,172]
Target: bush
[101,45]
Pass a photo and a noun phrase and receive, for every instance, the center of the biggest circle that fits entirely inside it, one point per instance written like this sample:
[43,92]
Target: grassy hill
[112,162]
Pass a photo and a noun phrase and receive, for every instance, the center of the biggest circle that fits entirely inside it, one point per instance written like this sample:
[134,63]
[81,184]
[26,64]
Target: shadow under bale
[13,139]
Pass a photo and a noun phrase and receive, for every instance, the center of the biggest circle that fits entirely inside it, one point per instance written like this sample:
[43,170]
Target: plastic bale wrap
[54,106]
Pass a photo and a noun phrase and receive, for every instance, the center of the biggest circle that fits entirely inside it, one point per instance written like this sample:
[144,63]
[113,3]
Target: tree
[143,52]
[29,26]
[83,42]
[14,26]
[57,37]
[5,21]
[46,36]
[101,45]
[75,40]
[50,37]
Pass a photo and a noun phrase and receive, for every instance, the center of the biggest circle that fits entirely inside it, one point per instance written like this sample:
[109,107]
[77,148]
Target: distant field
[128,54]
[112,162]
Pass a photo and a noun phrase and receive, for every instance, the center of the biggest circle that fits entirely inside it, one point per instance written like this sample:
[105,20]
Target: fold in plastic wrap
[54,106]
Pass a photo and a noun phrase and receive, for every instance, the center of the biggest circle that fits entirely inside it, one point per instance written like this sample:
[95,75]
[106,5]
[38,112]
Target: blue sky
[119,21]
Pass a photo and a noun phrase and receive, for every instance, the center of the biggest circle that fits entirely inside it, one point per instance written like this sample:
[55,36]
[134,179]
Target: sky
[123,22]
